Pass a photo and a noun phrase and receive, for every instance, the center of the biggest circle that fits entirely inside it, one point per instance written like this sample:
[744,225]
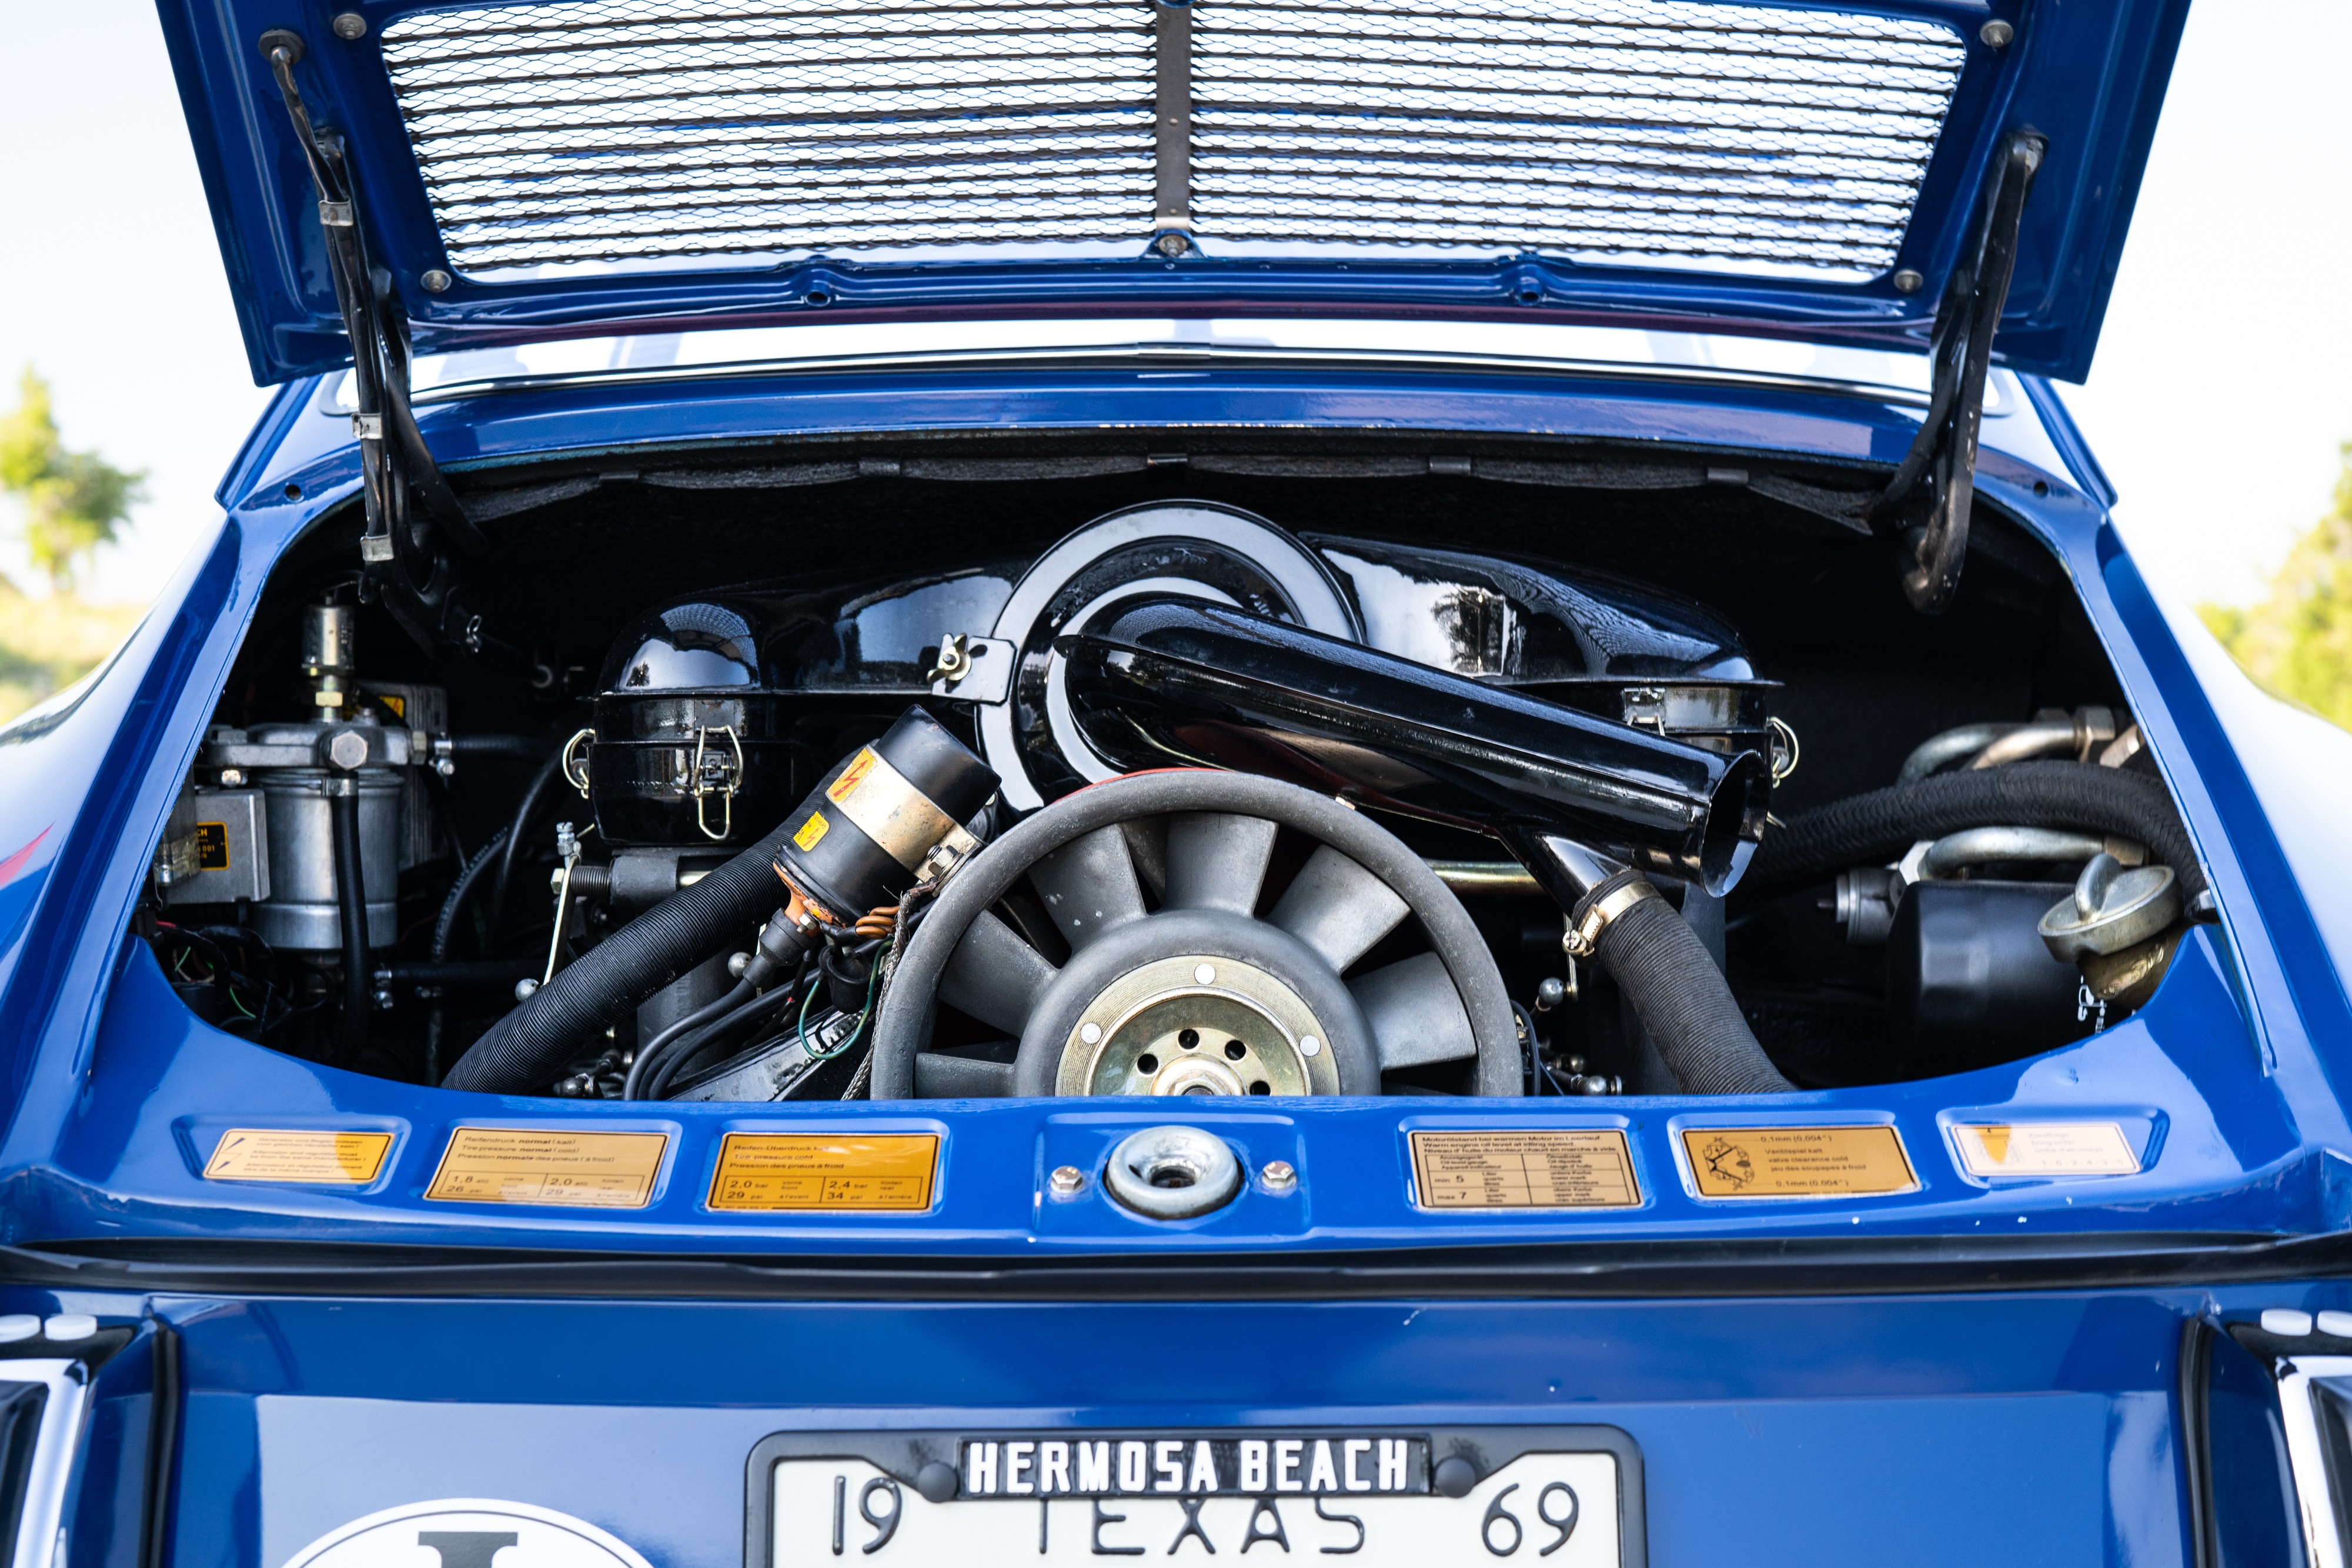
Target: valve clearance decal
[1797,1162]
[1533,1169]
[522,1164]
[281,1154]
[782,1171]
[2045,1149]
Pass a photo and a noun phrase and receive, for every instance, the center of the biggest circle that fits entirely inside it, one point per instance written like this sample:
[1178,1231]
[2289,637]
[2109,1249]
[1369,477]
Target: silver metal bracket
[1172,124]
[971,669]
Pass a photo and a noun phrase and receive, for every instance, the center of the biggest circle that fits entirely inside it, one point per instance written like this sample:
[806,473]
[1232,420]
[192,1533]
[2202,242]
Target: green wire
[800,1036]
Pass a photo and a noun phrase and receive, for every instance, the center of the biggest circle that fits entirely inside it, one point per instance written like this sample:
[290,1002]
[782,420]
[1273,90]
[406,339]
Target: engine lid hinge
[1944,452]
[409,509]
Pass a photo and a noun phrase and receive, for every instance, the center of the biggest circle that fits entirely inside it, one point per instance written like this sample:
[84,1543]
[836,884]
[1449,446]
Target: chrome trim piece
[38,1532]
[2305,1457]
[1190,355]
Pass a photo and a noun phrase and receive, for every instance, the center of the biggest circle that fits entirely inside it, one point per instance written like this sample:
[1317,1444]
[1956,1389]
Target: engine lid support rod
[407,501]
[1944,452]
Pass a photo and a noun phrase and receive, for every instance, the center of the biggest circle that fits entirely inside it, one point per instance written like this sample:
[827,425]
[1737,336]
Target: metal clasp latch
[574,764]
[713,774]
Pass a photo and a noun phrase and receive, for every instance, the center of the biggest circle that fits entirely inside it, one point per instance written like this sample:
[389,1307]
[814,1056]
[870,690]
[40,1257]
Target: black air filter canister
[863,834]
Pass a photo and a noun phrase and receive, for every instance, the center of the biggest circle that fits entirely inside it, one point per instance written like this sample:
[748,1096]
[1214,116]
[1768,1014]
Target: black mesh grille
[1673,132]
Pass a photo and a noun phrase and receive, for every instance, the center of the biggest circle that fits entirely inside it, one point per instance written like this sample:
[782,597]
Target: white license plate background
[1424,1531]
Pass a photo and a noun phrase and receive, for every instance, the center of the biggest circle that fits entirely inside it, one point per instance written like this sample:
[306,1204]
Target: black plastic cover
[1172,682]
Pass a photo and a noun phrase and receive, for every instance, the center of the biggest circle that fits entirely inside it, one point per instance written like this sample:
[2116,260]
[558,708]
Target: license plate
[1563,1497]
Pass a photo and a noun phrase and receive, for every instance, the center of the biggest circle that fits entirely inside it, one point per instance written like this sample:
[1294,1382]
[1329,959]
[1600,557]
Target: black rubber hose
[665,1073]
[1877,827]
[523,1051]
[444,927]
[527,748]
[649,1055]
[351,905]
[516,832]
[1667,974]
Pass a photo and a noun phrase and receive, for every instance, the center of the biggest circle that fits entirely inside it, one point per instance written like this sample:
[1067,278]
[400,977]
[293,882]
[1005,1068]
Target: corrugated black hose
[1875,828]
[1679,993]
[524,1051]
[1670,978]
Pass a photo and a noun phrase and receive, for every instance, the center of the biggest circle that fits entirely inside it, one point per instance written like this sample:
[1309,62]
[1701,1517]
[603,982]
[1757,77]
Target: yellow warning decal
[1532,1169]
[1797,1162]
[812,830]
[843,787]
[2045,1149]
[773,1171]
[281,1153]
[588,1170]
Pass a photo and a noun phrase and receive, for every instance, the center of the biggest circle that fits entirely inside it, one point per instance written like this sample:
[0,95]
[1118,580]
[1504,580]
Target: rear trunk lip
[1748,1267]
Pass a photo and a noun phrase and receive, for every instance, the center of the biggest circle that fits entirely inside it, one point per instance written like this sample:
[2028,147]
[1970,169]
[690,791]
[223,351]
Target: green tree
[2297,642]
[73,500]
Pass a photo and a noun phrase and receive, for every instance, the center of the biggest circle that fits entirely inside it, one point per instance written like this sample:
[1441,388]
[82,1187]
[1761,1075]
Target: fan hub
[1197,1024]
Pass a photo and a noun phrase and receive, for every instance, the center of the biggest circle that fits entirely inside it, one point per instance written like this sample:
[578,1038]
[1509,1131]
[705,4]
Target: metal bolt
[444,766]
[526,988]
[1996,34]
[348,750]
[1277,1176]
[1068,1181]
[350,25]
[1091,1032]
[231,777]
[436,281]
[1550,993]
[384,1000]
[1202,973]
[1309,1046]
[1907,281]
[1173,245]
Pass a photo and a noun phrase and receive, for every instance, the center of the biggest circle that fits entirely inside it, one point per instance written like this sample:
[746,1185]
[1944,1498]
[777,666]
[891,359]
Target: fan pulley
[1200,993]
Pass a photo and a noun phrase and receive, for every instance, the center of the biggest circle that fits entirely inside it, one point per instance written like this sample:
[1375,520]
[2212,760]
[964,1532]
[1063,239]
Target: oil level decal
[2045,1149]
[282,1153]
[1797,1162]
[467,1533]
[1533,1169]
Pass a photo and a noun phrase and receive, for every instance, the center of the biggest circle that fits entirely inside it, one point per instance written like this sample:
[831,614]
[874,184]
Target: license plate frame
[902,1455]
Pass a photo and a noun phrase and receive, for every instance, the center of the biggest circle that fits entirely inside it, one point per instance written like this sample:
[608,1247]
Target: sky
[2222,385]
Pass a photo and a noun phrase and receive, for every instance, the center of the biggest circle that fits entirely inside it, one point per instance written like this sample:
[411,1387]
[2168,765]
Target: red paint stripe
[14,866]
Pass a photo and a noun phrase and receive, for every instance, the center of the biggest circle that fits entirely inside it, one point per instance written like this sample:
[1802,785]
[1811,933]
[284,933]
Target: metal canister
[299,915]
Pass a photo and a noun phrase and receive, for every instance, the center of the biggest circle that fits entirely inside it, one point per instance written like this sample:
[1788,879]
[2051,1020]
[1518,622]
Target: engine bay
[1267,778]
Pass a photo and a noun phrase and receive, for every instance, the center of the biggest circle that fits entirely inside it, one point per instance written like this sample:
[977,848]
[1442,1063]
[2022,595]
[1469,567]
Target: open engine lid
[524,171]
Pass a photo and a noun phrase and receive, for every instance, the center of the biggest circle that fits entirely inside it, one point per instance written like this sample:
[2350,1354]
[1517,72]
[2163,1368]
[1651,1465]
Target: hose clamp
[1583,938]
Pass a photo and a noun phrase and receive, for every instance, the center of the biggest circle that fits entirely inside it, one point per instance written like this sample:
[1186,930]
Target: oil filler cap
[1173,1172]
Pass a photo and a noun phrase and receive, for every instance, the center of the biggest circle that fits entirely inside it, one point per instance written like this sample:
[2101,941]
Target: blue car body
[2038,1369]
